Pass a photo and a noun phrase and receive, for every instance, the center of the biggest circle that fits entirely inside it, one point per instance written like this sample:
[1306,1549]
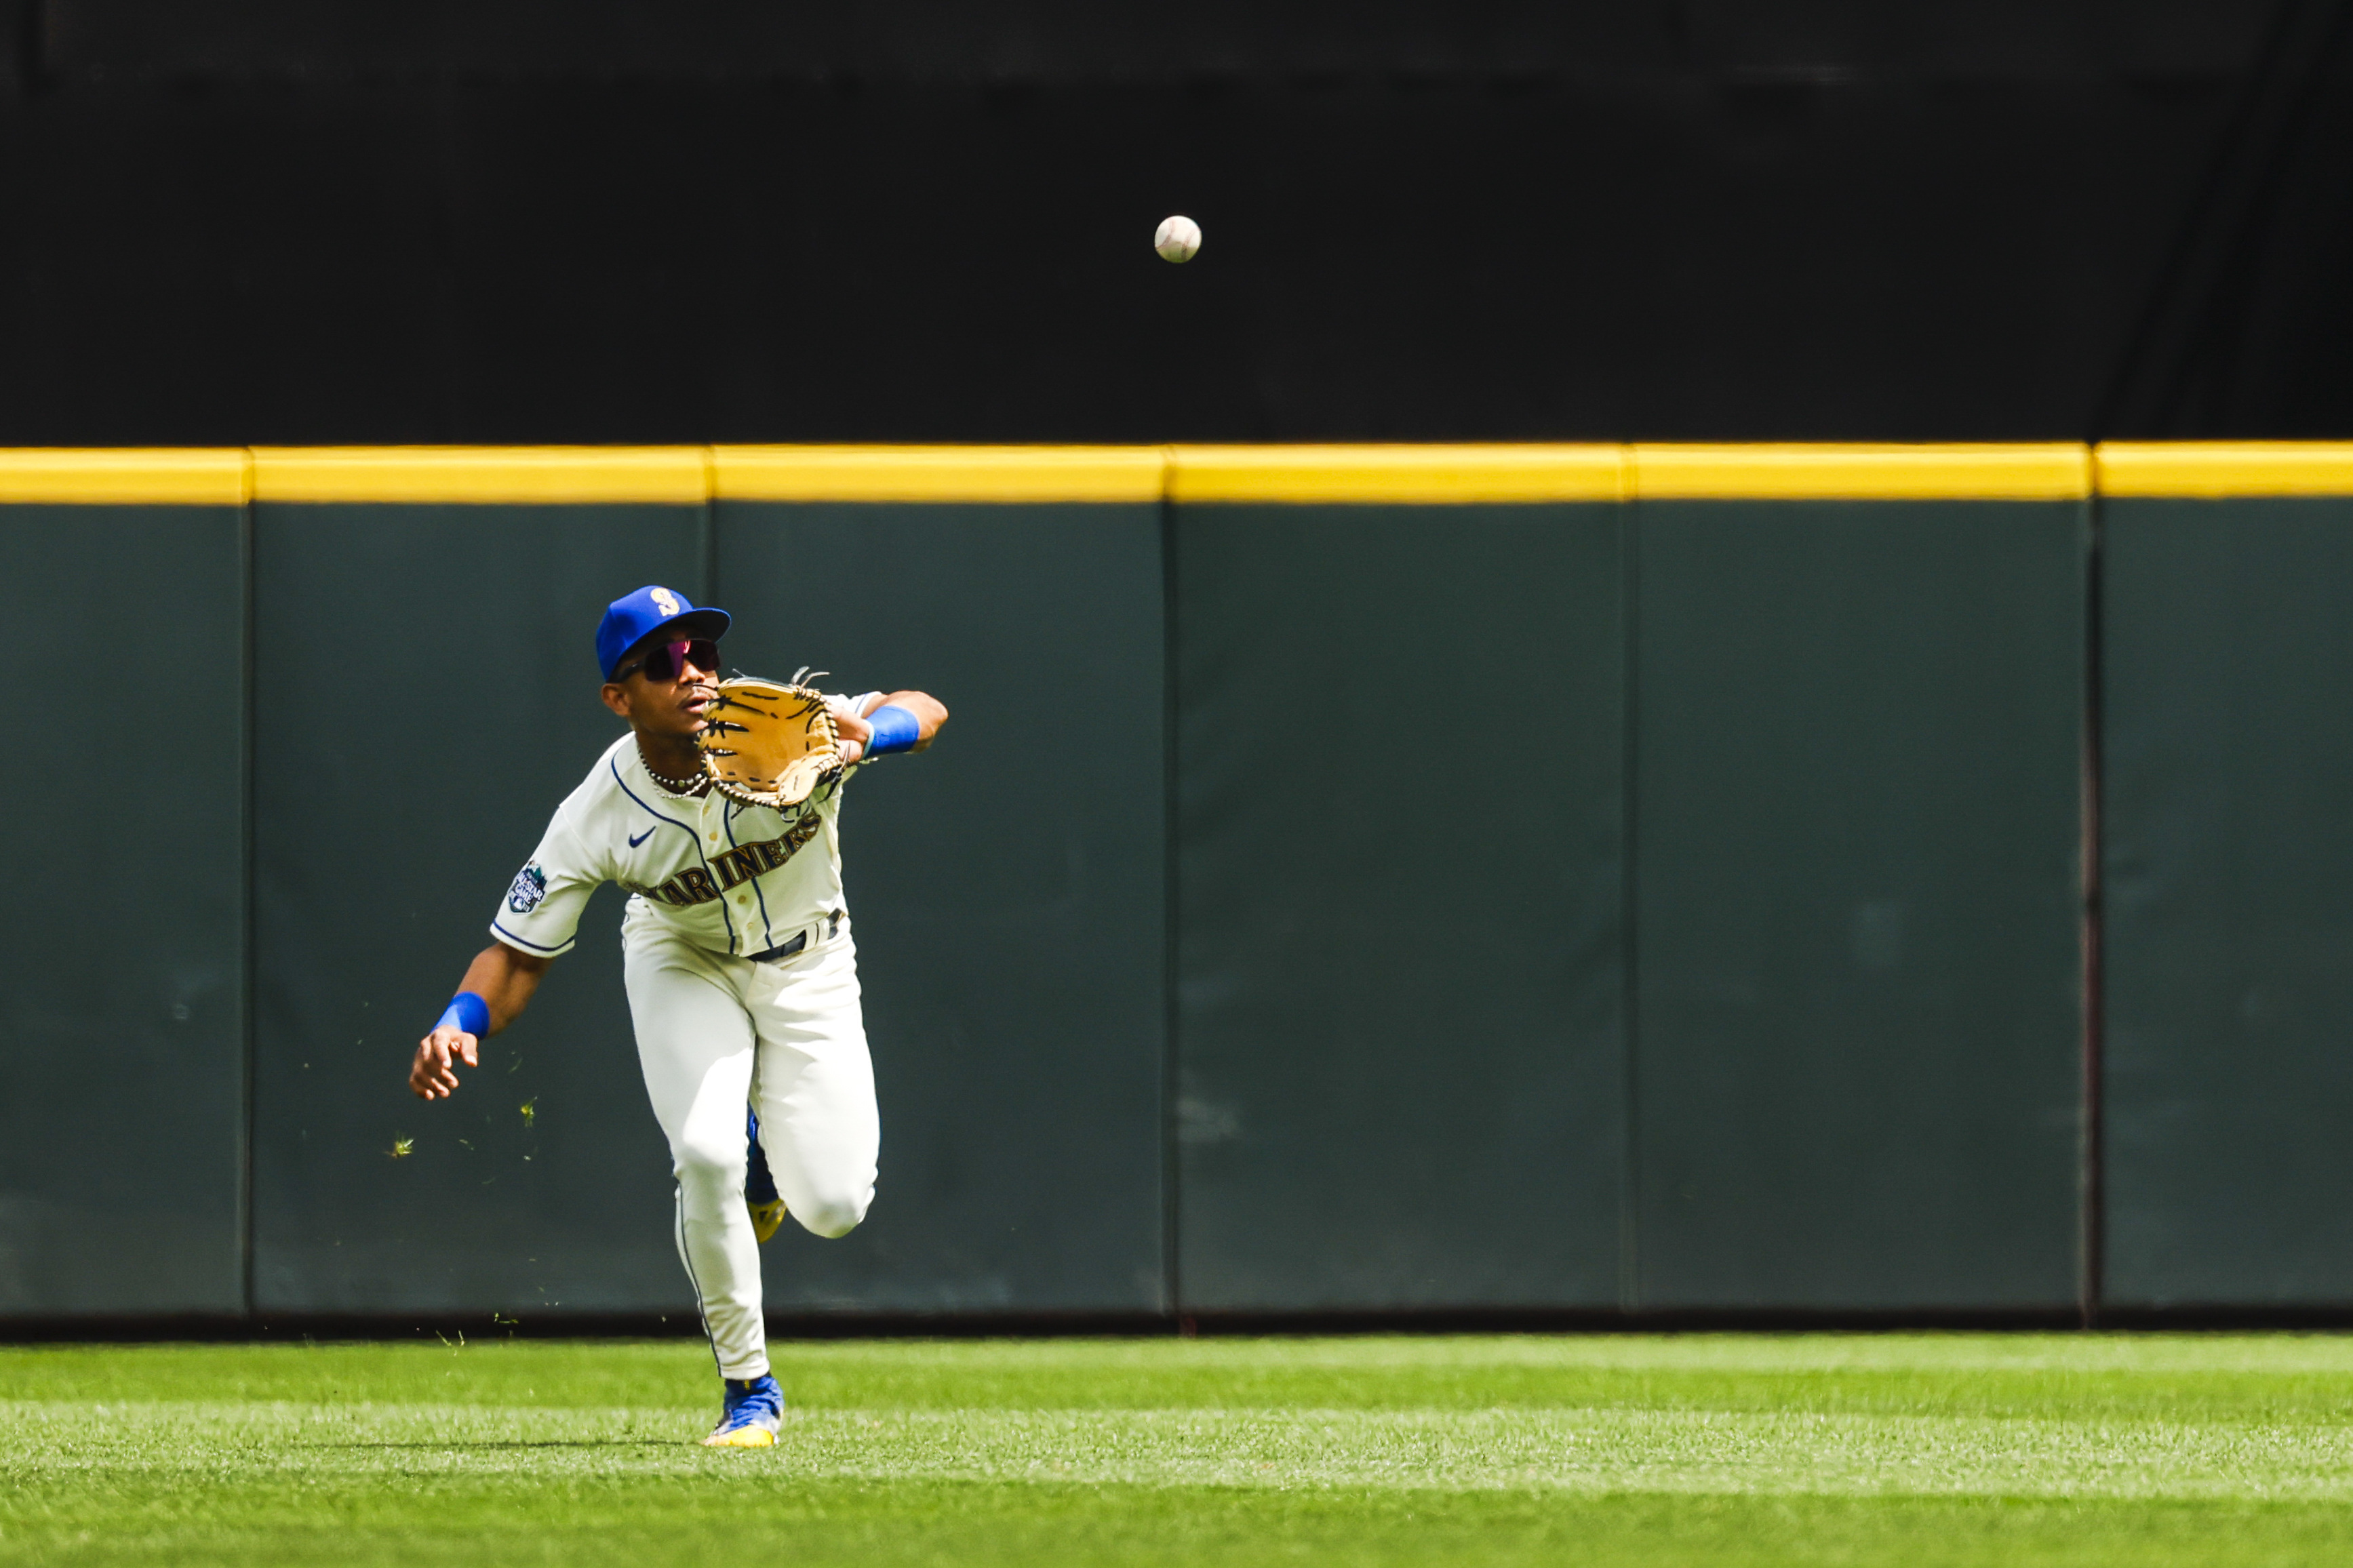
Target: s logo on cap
[666,601]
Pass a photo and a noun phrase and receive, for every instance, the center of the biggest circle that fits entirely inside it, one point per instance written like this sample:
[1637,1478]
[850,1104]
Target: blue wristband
[895,730]
[468,1012]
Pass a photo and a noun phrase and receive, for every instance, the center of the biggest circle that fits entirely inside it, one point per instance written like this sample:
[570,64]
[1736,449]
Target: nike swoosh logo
[641,838]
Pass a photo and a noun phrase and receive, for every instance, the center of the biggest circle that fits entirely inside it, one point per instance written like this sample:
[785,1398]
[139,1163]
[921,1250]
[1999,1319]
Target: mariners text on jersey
[741,864]
[729,878]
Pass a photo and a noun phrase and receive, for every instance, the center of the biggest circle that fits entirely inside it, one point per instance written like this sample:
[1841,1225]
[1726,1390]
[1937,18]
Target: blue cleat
[755,1409]
[760,1184]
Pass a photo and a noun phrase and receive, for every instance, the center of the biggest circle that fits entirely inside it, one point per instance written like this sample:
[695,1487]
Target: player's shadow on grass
[522,1443]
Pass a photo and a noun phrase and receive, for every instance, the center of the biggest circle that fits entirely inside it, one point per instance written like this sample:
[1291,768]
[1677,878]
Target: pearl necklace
[675,786]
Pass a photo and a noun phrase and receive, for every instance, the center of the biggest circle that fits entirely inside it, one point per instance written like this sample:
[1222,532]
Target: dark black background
[231,221]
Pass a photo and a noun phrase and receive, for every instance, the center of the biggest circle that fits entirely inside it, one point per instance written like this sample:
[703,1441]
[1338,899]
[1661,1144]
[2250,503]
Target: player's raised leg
[815,1088]
[760,1193]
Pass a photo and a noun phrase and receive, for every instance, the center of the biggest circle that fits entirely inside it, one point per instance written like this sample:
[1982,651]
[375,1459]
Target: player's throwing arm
[717,812]
[497,986]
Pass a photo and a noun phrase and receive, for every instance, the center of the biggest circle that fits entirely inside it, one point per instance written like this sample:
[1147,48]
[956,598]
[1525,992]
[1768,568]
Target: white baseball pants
[715,1032]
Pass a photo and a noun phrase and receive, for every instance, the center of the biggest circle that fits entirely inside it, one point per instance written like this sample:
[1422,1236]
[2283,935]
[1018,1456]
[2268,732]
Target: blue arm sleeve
[895,730]
[468,1012]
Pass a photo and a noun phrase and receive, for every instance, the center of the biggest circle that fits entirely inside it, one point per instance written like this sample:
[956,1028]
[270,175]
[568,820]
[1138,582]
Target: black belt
[800,942]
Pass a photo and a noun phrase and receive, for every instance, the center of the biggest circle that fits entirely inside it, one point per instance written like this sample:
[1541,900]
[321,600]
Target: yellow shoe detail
[742,1437]
[768,1219]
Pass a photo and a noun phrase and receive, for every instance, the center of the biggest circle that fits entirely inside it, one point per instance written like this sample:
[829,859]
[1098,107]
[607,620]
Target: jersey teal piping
[691,834]
[767,926]
[506,935]
[678,1230]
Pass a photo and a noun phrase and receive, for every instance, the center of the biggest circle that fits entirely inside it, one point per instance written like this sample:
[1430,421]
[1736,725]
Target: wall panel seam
[2091,1193]
[1172,1196]
[1630,1176]
[249,973]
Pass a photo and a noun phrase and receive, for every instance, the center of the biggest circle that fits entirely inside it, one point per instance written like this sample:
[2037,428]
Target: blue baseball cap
[633,617]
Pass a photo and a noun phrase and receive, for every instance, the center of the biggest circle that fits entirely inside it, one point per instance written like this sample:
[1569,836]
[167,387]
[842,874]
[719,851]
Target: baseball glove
[769,745]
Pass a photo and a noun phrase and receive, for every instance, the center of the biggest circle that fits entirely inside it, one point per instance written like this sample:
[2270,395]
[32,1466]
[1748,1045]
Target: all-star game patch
[530,886]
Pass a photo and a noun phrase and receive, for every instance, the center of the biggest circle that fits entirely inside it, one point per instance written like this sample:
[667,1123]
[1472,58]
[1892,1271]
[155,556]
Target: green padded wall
[1007,888]
[1403,1072]
[2228,653]
[122,1027]
[1400,835]
[425,686]
[1858,742]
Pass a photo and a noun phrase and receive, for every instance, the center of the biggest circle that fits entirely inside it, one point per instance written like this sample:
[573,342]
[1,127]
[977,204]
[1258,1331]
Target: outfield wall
[1605,879]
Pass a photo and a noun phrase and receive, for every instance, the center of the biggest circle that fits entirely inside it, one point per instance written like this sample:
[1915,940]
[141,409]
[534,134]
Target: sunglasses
[668,661]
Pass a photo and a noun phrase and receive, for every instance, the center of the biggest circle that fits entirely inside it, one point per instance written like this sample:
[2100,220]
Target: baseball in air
[1177,239]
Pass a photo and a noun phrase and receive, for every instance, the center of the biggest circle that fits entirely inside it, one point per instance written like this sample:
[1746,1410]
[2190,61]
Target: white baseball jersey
[728,878]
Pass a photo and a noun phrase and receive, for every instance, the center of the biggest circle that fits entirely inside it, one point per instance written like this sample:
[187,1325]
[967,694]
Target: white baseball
[1177,239]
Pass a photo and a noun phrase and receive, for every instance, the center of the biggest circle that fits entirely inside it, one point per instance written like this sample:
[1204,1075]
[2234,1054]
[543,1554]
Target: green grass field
[1696,1449]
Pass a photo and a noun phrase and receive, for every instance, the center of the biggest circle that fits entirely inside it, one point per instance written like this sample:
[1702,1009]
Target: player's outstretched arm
[927,711]
[504,978]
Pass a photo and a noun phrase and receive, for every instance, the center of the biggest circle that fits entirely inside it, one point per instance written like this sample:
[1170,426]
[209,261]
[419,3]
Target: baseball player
[742,973]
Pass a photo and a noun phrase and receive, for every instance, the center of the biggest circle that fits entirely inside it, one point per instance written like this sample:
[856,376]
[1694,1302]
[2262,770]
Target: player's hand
[854,732]
[433,1074]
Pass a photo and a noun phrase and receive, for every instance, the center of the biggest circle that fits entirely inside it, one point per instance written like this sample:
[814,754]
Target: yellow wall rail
[1434,474]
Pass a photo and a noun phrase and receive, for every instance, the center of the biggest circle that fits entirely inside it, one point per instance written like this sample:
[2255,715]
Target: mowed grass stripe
[2221,1377]
[845,1525]
[1578,1450]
